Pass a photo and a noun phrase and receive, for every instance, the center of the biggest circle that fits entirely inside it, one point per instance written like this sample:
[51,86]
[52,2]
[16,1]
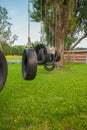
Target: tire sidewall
[3,70]
[29,64]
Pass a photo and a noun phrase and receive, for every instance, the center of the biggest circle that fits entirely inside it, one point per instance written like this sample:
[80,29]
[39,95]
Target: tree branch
[68,18]
[78,42]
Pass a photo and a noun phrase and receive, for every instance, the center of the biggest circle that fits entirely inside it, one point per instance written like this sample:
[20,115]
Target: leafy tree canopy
[45,10]
[5,28]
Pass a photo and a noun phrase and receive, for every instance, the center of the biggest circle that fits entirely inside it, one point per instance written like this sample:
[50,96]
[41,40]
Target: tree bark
[60,48]
[61,28]
[67,18]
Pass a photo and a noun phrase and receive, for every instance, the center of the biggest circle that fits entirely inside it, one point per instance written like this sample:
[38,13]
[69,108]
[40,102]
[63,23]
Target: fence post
[86,58]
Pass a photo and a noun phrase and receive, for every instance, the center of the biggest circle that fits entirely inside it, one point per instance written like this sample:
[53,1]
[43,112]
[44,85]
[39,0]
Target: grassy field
[55,100]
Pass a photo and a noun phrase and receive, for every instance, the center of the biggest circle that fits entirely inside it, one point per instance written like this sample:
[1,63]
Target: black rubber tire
[29,64]
[41,56]
[44,51]
[51,60]
[49,67]
[54,58]
[3,70]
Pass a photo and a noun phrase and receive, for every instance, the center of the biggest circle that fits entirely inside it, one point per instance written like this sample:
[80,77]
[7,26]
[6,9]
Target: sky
[18,12]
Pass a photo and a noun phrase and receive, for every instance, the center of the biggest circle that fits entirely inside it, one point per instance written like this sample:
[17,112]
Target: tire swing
[49,67]
[29,64]
[29,57]
[3,70]
[50,64]
[43,53]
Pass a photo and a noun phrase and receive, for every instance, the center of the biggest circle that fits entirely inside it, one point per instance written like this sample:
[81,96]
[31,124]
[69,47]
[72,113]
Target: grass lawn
[55,100]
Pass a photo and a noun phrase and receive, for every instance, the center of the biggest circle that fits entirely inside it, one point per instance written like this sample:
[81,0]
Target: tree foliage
[5,28]
[45,10]
[12,50]
[79,31]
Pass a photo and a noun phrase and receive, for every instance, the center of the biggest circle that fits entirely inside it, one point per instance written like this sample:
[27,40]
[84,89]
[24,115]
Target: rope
[51,25]
[29,40]
[53,42]
[42,31]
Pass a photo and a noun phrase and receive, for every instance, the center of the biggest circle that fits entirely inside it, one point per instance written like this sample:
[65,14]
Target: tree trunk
[59,40]
[61,27]
[60,47]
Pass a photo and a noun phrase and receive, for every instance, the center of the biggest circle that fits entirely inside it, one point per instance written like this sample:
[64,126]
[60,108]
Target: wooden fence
[76,56]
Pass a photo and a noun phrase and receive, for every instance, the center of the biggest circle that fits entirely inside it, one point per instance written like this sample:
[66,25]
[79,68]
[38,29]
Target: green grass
[55,100]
